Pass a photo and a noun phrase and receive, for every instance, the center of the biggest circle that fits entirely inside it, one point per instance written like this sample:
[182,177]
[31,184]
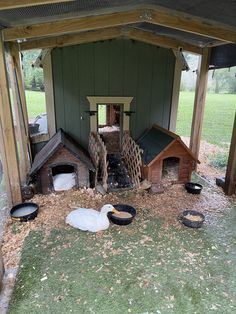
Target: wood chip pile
[55,207]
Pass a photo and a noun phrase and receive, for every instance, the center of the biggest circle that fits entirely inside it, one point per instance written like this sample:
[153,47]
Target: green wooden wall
[112,68]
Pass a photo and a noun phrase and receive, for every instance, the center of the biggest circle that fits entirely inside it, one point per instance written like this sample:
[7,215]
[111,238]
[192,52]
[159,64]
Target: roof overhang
[48,24]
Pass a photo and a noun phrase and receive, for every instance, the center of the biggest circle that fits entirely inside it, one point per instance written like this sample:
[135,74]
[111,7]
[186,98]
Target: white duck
[88,219]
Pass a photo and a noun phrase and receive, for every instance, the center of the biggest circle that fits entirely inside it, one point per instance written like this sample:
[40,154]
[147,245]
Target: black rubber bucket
[24,212]
[122,221]
[33,128]
[193,188]
[187,221]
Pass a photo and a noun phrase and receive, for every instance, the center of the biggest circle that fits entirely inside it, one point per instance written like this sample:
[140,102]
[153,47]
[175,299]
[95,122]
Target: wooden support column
[230,179]
[49,95]
[175,95]
[18,98]
[12,169]
[15,53]
[199,102]
[4,163]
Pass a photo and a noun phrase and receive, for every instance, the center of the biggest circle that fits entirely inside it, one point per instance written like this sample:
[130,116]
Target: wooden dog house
[61,155]
[165,157]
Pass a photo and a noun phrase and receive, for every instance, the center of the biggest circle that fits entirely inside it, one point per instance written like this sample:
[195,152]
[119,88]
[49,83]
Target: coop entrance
[170,169]
[110,125]
[64,177]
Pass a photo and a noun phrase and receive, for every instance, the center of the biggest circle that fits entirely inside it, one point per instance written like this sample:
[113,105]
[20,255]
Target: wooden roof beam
[159,16]
[191,24]
[72,39]
[109,33]
[68,26]
[162,41]
[15,4]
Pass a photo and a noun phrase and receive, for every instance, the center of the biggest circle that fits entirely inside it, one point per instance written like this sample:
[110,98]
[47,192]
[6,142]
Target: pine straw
[55,207]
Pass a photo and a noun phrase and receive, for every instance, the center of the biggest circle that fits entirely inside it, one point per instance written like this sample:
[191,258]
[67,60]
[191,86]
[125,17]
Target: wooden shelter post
[230,179]
[21,116]
[49,95]
[199,102]
[175,95]
[12,169]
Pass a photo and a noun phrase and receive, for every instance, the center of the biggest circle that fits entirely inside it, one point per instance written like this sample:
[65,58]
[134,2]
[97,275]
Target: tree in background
[224,81]
[33,77]
[219,81]
[188,79]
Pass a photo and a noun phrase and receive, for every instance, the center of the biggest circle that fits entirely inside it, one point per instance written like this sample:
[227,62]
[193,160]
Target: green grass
[219,160]
[218,117]
[102,114]
[35,103]
[140,268]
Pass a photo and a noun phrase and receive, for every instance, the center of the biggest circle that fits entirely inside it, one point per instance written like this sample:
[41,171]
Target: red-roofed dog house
[165,157]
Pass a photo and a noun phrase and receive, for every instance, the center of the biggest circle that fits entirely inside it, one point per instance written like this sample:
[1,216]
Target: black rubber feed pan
[119,220]
[192,218]
[24,211]
[193,188]
[33,128]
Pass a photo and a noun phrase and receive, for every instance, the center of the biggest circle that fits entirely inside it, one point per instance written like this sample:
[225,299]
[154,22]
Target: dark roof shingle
[59,140]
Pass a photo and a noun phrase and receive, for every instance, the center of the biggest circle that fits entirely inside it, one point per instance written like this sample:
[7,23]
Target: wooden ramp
[118,175]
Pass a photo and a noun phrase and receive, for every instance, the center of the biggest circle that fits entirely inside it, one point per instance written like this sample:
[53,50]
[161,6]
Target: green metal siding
[112,68]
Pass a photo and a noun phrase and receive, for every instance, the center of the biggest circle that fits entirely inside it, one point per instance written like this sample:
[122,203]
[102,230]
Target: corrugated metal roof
[193,39]
[216,10]
[223,11]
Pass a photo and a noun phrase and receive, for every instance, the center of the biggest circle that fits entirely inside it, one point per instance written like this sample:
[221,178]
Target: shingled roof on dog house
[61,155]
[160,146]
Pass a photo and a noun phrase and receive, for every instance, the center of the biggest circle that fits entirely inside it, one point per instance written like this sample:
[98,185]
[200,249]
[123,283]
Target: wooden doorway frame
[96,100]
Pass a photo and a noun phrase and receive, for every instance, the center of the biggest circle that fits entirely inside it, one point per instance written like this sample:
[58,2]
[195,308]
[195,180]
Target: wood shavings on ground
[204,169]
[54,208]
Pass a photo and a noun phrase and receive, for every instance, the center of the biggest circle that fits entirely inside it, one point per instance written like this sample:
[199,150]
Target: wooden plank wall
[112,68]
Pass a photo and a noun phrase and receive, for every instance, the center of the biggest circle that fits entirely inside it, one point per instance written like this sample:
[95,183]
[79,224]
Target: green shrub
[219,160]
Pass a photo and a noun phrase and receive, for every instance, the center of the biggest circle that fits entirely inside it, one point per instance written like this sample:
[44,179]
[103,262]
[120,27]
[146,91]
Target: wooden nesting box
[165,157]
[61,154]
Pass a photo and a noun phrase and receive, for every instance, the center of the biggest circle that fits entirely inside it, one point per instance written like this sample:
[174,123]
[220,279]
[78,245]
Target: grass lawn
[35,103]
[142,268]
[218,117]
